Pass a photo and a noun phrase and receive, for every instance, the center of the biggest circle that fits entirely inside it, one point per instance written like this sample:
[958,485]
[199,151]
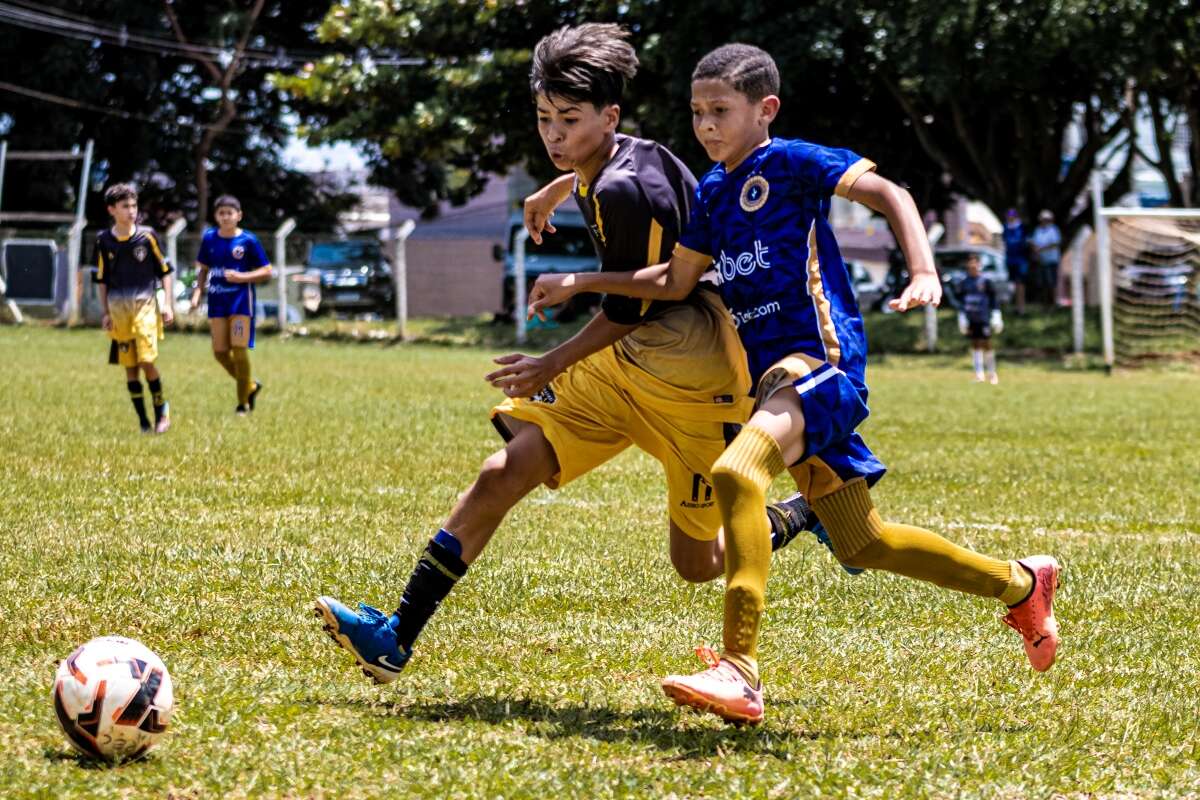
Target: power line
[60,23]
[46,97]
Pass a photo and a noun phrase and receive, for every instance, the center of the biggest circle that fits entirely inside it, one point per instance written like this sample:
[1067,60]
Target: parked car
[951,262]
[568,249]
[353,275]
[868,291]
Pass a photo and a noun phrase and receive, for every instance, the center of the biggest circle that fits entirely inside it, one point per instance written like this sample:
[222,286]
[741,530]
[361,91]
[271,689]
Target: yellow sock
[225,360]
[862,539]
[741,477]
[241,365]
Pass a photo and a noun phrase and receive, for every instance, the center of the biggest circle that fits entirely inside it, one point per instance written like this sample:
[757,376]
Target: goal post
[1149,282]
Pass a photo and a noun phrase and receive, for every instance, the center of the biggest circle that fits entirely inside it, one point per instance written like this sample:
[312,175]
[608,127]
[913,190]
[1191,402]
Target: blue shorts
[233,304]
[834,405]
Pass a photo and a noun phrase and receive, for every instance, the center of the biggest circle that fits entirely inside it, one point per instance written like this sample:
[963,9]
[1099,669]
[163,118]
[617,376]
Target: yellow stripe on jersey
[816,290]
[99,261]
[162,262]
[599,220]
[654,244]
[856,171]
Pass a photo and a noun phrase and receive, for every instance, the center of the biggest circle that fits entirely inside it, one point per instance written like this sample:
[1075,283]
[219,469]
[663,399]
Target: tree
[435,129]
[149,113]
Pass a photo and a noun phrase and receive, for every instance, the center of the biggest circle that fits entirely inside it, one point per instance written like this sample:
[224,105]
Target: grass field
[539,677]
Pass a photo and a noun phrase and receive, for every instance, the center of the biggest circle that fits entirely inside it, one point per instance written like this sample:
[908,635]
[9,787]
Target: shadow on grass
[664,728]
[54,754]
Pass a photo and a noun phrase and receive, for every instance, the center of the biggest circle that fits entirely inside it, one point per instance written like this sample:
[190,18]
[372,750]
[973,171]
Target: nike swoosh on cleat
[383,660]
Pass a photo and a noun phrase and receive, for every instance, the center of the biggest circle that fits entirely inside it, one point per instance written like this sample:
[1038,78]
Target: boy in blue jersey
[760,219]
[129,267]
[230,262]
[667,377]
[978,318]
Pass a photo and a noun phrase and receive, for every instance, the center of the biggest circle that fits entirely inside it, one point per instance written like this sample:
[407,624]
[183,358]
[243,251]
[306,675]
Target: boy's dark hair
[227,200]
[118,192]
[586,63]
[748,69]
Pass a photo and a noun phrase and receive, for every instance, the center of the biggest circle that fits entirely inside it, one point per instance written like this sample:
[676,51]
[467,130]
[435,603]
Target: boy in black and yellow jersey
[129,267]
[667,377]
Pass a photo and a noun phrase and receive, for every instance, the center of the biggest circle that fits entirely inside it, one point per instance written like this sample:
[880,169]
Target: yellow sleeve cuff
[690,256]
[856,171]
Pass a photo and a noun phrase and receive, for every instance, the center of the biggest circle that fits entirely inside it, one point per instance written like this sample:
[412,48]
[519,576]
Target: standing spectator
[1047,252]
[1016,257]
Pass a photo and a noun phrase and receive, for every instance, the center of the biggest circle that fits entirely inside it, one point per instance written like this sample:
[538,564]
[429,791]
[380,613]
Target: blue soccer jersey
[765,225]
[240,253]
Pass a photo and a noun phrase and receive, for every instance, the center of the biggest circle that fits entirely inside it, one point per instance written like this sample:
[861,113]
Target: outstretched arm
[896,204]
[524,376]
[670,281]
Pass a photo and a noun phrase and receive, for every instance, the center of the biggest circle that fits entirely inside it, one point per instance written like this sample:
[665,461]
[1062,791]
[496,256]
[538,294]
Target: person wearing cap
[1047,252]
[1016,256]
[230,262]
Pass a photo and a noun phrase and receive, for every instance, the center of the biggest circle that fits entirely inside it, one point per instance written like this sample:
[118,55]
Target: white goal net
[1152,306]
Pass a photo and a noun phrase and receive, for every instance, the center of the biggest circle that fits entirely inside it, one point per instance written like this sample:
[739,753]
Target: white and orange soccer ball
[113,698]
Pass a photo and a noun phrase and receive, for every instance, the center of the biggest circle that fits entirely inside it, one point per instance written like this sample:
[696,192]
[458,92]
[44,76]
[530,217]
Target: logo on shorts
[140,253]
[123,347]
[700,488]
[239,251]
[754,193]
[545,395]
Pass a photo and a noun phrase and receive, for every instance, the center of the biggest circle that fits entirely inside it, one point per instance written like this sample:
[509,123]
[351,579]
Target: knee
[695,569]
[221,355]
[502,476]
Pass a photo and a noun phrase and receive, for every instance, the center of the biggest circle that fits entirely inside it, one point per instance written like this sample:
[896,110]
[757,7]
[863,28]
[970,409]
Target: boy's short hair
[587,63]
[118,192]
[748,69]
[227,200]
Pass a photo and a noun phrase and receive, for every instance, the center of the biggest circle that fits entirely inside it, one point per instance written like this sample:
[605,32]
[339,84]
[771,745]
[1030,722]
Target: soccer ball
[113,698]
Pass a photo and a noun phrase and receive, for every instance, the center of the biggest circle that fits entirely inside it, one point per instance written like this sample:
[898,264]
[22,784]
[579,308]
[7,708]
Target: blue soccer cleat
[367,635]
[793,515]
[818,530]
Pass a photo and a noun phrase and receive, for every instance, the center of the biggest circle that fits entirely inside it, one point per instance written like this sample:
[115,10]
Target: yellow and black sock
[156,397]
[741,477]
[435,575]
[862,539]
[241,365]
[225,360]
[139,402]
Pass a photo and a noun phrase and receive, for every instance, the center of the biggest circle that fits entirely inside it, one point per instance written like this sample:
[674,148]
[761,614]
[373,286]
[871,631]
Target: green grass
[539,677]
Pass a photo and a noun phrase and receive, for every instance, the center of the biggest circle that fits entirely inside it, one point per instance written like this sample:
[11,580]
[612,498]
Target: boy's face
[573,130]
[124,212]
[973,266]
[728,123]
[227,216]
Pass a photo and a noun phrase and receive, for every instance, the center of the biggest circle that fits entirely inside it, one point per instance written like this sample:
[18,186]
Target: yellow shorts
[606,402]
[136,329]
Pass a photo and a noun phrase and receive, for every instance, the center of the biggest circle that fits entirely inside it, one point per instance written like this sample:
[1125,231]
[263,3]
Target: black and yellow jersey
[130,267]
[635,208]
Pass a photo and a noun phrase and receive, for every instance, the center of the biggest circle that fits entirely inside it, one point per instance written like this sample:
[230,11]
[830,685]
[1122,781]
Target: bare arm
[539,206]
[896,204]
[105,317]
[524,376]
[201,282]
[260,275]
[168,284]
[670,281]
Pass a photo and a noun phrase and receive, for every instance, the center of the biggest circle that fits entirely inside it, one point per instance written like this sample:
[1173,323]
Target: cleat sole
[330,628]
[684,697]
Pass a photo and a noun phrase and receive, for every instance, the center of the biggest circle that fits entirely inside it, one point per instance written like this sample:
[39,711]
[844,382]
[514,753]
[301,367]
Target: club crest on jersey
[239,251]
[754,193]
[140,253]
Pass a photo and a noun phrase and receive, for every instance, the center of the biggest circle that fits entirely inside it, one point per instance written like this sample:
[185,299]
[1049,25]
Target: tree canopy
[980,97]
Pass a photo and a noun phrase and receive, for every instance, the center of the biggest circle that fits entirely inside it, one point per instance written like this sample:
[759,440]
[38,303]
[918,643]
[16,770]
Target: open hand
[522,375]
[550,290]
[924,290]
